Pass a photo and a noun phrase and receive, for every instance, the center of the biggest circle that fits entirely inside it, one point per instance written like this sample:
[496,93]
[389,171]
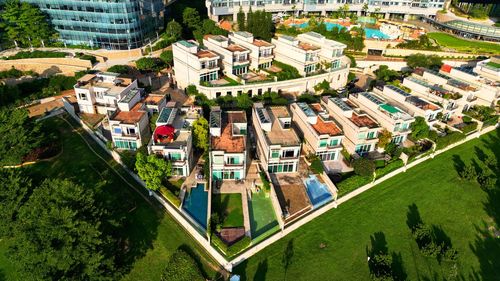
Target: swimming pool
[369,32]
[318,193]
[196,204]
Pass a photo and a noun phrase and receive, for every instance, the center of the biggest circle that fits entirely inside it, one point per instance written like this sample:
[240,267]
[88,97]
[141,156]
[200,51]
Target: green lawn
[229,207]
[334,246]
[150,234]
[261,211]
[462,45]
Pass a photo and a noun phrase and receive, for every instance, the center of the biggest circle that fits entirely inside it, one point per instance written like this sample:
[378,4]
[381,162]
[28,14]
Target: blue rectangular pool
[318,193]
[196,204]
[370,33]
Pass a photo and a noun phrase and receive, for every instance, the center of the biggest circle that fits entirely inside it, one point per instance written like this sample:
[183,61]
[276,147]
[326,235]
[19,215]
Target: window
[281,168]
[117,130]
[177,171]
[287,124]
[82,96]
[334,142]
[327,155]
[275,153]
[219,159]
[371,135]
[322,143]
[176,156]
[398,139]
[288,153]
[217,174]
[361,136]
[235,160]
[125,144]
[363,148]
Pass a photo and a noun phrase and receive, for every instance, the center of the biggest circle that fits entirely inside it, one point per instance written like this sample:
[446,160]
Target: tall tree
[200,133]
[173,31]
[419,128]
[14,188]
[153,170]
[58,235]
[240,19]
[191,18]
[19,135]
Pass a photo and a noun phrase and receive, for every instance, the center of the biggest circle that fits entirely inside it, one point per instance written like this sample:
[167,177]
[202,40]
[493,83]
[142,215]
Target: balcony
[233,164]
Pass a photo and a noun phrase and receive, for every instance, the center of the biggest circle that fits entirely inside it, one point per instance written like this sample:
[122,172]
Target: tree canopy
[200,133]
[58,235]
[153,170]
[25,24]
[149,64]
[419,128]
[14,190]
[420,60]
[259,23]
[19,135]
[167,57]
[173,31]
[385,74]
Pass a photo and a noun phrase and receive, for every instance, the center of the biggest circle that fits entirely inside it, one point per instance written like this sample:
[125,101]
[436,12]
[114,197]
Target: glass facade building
[109,24]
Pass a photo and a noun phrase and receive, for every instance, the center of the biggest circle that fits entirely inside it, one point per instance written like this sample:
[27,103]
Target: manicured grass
[493,64]
[229,208]
[150,234]
[462,45]
[262,216]
[334,246]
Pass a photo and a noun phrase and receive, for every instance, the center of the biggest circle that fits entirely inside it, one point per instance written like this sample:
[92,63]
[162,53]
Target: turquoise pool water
[318,193]
[196,204]
[369,32]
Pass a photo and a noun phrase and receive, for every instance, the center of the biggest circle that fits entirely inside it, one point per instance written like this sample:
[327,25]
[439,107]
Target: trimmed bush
[36,55]
[230,251]
[364,167]
[317,166]
[287,72]
[170,196]
[352,183]
[182,267]
[265,181]
[450,138]
[388,168]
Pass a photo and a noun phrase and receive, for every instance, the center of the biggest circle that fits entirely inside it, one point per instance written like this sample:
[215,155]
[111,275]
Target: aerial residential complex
[388,115]
[360,129]
[322,135]
[240,63]
[117,25]
[278,146]
[403,8]
[228,144]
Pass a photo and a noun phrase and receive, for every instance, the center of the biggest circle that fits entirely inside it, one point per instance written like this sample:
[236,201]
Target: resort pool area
[318,192]
[196,204]
[370,33]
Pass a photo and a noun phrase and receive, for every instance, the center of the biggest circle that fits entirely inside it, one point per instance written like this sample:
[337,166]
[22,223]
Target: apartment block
[172,137]
[299,54]
[484,78]
[360,130]
[193,64]
[261,52]
[235,58]
[278,146]
[414,105]
[450,101]
[331,52]
[99,93]
[398,8]
[129,123]
[387,114]
[228,148]
[322,136]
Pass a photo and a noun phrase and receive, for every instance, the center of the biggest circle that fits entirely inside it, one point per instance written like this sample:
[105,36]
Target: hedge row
[170,196]
[388,168]
[35,55]
[352,183]
[232,250]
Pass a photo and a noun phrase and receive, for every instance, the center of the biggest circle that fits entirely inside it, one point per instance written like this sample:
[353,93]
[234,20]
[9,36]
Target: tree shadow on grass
[197,259]
[260,274]
[378,247]
[287,258]
[413,217]
[486,245]
[398,270]
[458,163]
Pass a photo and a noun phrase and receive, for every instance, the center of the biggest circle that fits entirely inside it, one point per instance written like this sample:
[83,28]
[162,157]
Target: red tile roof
[327,128]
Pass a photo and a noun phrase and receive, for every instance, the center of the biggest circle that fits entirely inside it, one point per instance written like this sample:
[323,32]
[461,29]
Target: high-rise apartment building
[403,8]
[109,24]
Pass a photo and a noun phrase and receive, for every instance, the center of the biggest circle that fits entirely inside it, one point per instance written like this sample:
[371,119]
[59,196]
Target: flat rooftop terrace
[279,135]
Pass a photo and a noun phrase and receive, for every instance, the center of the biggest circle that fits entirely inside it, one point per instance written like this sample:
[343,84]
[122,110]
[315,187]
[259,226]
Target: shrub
[167,57]
[317,166]
[121,69]
[36,54]
[232,250]
[352,183]
[91,58]
[265,181]
[364,167]
[346,155]
[450,138]
[287,72]
[149,64]
[182,267]
[170,196]
[379,163]
[389,168]
[469,127]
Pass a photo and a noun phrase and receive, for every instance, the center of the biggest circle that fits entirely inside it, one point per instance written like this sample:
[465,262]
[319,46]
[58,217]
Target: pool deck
[291,194]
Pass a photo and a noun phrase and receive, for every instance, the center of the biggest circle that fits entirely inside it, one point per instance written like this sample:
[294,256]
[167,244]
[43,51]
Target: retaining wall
[48,66]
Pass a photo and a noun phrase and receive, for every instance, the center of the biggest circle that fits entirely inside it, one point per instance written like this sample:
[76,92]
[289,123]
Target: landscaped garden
[148,235]
[262,218]
[229,208]
[463,45]
[433,222]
